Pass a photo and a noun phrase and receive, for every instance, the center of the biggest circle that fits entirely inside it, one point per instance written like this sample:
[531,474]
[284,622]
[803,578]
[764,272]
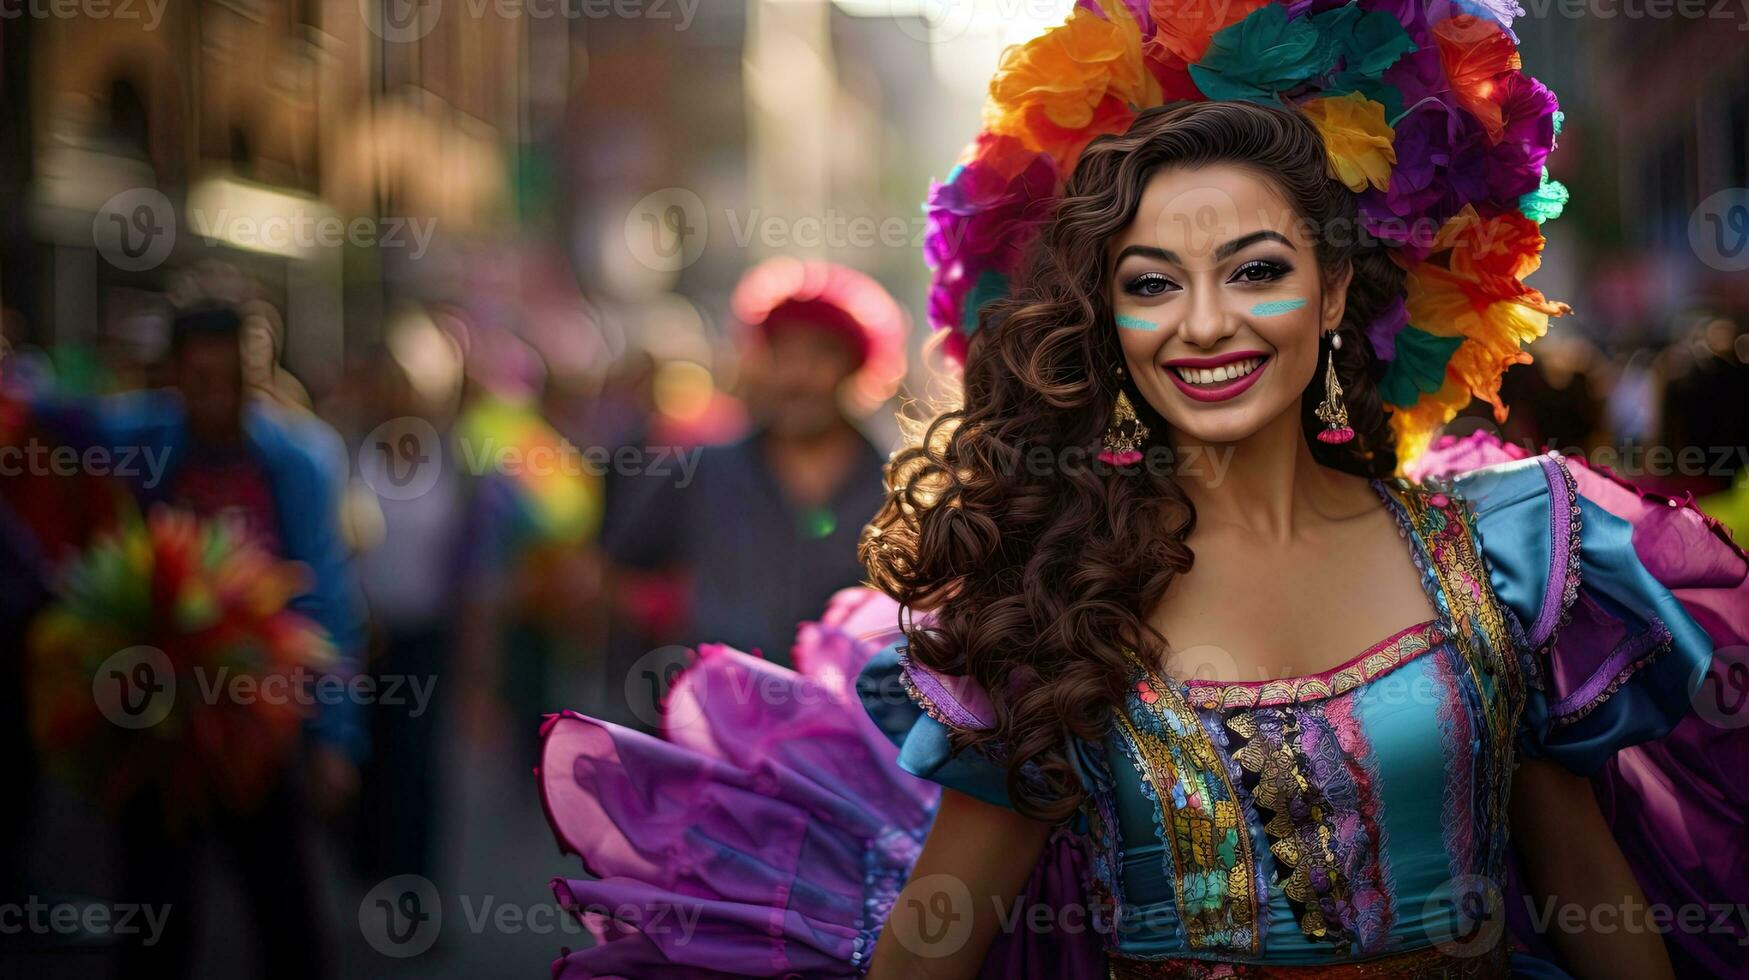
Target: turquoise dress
[1359,815]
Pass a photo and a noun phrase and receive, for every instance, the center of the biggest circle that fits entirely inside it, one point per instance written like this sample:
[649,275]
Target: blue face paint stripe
[1135,323]
[1277,307]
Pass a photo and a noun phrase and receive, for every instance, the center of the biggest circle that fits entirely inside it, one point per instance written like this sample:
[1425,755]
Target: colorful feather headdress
[1424,110]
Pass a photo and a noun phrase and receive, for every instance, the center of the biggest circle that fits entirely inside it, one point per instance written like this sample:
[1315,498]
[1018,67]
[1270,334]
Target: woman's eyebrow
[1148,251]
[1266,235]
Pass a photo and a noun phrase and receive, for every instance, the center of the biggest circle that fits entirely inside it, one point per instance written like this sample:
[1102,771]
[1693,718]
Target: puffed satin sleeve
[919,709]
[1622,597]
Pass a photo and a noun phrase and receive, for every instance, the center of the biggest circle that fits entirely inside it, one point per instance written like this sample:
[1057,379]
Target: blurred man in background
[767,526]
[278,477]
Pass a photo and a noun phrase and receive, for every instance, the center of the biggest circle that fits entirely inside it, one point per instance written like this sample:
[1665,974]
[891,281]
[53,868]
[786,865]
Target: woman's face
[1218,301]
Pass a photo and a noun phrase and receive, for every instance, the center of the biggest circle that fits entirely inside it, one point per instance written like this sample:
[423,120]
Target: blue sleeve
[920,719]
[142,431]
[308,465]
[1616,657]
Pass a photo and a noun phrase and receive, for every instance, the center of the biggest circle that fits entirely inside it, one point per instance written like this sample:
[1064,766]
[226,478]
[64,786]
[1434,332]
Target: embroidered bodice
[1328,816]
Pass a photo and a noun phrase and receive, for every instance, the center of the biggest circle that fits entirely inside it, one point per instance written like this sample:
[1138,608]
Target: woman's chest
[1247,613]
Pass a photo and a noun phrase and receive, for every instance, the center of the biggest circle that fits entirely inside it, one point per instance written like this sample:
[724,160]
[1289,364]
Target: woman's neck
[1267,484]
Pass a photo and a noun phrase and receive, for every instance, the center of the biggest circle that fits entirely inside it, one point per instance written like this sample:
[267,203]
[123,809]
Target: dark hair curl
[1039,581]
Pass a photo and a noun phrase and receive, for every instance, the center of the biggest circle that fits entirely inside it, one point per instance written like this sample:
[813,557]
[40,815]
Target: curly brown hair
[1040,578]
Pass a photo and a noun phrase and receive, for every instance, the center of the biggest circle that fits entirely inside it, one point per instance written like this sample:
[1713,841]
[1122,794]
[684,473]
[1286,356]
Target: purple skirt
[769,829]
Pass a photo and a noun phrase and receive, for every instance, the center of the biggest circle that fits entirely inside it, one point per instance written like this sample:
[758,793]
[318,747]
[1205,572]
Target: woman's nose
[1207,321]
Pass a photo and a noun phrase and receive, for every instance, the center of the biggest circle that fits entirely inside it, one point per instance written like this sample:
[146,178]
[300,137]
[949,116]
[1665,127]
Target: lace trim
[1564,530]
[1105,862]
[1369,852]
[1376,661]
[935,699]
[1634,653]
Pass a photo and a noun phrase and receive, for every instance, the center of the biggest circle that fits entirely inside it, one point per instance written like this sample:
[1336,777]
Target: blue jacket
[304,462]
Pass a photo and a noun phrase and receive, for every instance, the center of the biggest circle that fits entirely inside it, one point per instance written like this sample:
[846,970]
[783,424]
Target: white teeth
[1217,375]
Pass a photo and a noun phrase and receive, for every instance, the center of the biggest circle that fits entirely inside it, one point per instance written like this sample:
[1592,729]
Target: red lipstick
[1217,392]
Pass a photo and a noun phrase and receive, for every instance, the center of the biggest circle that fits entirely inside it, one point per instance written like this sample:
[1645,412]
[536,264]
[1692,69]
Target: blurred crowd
[486,539]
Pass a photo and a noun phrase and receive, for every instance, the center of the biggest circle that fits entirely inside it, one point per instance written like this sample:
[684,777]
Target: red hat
[789,293]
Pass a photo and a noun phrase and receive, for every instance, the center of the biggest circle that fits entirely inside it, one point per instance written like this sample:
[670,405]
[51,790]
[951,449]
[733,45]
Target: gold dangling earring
[1331,411]
[1125,433]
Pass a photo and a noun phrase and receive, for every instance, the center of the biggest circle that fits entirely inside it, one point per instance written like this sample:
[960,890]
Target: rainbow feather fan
[1426,114]
[171,662]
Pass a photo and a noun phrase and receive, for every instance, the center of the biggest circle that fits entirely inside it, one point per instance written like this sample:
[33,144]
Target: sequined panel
[1308,771]
[1202,824]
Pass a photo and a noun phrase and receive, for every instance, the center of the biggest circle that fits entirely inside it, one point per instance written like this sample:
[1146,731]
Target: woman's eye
[1260,270]
[1149,284]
